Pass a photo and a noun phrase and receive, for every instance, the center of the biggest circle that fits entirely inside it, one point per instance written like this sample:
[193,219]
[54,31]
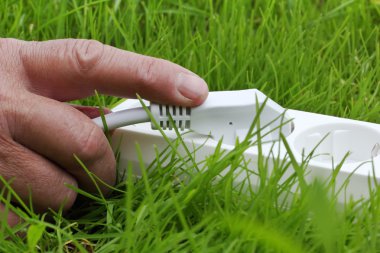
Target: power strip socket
[337,137]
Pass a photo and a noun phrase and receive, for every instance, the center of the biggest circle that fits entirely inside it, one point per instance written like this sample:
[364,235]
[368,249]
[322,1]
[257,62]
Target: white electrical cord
[123,118]
[224,114]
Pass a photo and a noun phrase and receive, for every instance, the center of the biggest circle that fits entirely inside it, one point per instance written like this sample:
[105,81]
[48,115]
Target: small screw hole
[230,123]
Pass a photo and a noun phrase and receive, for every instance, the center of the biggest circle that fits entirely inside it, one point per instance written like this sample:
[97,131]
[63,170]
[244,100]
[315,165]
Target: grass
[318,56]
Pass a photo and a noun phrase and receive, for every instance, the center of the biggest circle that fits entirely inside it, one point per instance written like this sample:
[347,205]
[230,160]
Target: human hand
[39,134]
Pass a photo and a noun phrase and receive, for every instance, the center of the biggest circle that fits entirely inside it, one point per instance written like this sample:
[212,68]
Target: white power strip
[339,136]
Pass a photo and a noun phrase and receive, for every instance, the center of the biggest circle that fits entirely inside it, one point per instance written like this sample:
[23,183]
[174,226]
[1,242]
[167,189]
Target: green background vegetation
[319,56]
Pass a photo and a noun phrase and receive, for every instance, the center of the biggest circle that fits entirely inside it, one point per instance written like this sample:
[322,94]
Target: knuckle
[148,69]
[92,145]
[29,51]
[86,55]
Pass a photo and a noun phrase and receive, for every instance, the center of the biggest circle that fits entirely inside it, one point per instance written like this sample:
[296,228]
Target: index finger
[72,69]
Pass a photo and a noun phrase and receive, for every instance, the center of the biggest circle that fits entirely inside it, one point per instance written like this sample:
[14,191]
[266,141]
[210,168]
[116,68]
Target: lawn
[318,56]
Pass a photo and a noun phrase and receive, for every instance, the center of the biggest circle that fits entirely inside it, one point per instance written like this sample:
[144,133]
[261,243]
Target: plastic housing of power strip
[331,138]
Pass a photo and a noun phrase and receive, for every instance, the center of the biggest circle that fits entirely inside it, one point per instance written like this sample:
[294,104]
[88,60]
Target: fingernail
[192,87]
